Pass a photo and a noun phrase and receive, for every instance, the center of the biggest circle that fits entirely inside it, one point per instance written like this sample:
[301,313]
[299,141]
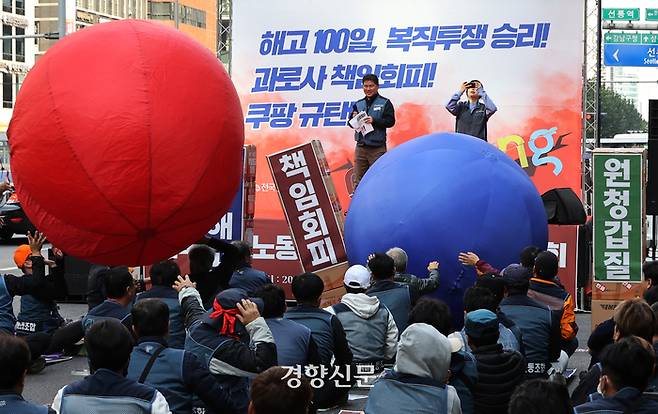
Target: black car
[15,220]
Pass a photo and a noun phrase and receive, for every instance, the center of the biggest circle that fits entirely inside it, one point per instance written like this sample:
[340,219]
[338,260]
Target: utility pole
[62,19]
[177,14]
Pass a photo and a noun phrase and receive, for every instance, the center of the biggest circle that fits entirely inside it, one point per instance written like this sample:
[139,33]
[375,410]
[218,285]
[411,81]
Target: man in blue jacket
[231,338]
[246,277]
[472,115]
[177,374]
[15,360]
[107,390]
[627,366]
[163,276]
[380,115]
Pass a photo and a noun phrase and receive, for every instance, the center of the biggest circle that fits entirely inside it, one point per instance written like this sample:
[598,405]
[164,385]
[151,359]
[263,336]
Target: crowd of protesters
[223,339]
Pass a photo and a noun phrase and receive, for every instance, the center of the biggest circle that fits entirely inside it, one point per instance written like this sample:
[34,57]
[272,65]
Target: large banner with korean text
[298,64]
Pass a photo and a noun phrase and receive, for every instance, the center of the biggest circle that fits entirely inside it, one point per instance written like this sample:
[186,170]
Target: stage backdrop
[297,66]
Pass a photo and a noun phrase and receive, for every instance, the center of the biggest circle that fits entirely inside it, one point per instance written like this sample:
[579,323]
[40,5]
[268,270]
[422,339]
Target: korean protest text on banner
[308,207]
[619,214]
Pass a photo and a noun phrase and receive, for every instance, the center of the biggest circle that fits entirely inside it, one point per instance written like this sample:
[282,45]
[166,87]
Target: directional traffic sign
[630,55]
[652,14]
[647,38]
[621,14]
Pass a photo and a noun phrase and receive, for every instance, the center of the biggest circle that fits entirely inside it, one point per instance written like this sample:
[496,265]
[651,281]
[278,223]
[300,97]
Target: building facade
[197,18]
[83,13]
[17,18]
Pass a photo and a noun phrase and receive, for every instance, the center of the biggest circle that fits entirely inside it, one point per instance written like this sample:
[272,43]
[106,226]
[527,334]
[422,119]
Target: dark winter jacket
[499,372]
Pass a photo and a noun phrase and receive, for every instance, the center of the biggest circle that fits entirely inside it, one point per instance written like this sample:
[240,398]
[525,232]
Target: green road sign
[632,38]
[651,14]
[618,215]
[621,14]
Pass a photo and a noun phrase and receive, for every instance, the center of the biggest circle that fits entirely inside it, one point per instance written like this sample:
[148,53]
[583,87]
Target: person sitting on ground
[272,391]
[627,366]
[35,284]
[417,383]
[545,288]
[328,334]
[231,338]
[463,371]
[120,289]
[163,276]
[179,375]
[96,285]
[632,317]
[38,314]
[107,390]
[398,298]
[499,370]
[294,342]
[423,286]
[245,277]
[496,285]
[480,298]
[601,336]
[369,326]
[15,361]
[540,396]
[540,327]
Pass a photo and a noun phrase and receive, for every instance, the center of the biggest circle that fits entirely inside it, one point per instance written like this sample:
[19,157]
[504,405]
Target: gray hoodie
[370,329]
[425,352]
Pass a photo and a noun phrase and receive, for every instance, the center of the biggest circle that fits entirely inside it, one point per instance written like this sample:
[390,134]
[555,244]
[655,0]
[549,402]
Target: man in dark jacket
[246,277]
[380,115]
[545,288]
[38,314]
[541,330]
[397,297]
[177,374]
[212,280]
[15,361]
[107,390]
[627,366]
[499,371]
[120,288]
[35,284]
[472,115]
[294,341]
[328,334]
[232,339]
[632,317]
[423,286]
[163,276]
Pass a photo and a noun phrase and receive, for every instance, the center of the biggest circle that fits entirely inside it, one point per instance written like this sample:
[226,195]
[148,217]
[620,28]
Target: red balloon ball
[126,143]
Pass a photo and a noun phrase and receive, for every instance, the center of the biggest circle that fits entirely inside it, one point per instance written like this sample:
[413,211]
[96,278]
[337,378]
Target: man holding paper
[370,117]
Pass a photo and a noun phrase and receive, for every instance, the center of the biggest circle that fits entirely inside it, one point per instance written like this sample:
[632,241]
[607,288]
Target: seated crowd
[223,340]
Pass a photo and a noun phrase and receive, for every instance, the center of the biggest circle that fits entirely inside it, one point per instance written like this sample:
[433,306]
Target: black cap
[546,265]
[229,299]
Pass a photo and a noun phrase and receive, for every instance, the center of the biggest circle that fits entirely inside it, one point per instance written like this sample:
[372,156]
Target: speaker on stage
[563,206]
[652,154]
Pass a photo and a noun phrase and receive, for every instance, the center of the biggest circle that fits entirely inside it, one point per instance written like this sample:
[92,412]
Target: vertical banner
[298,65]
[307,204]
[563,242]
[619,217]
[237,223]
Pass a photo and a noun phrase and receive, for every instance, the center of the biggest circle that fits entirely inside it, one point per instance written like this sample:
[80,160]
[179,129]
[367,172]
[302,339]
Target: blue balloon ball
[441,194]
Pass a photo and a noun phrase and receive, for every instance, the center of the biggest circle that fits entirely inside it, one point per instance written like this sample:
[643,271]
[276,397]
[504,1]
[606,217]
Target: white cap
[357,277]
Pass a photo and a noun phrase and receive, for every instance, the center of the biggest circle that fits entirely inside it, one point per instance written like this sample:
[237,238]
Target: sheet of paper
[359,123]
